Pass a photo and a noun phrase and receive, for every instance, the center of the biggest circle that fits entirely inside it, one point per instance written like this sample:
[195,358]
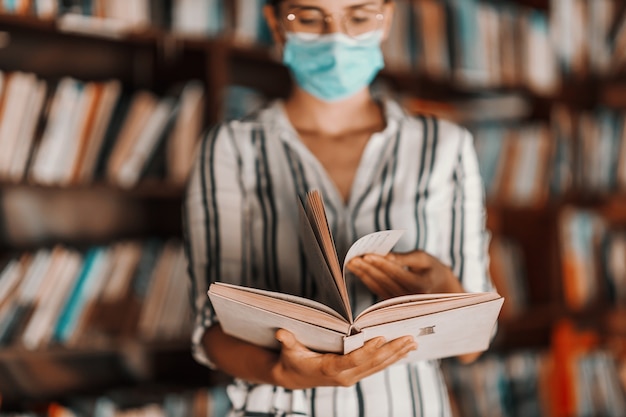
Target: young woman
[378,168]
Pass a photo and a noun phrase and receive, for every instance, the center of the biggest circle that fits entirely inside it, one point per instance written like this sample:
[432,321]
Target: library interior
[144,80]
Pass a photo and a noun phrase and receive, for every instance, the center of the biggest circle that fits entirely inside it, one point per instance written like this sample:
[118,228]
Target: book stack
[75,132]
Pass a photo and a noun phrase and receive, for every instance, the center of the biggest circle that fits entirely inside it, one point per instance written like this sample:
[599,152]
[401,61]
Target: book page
[259,326]
[322,255]
[317,217]
[281,303]
[446,333]
[379,243]
[414,306]
[329,290]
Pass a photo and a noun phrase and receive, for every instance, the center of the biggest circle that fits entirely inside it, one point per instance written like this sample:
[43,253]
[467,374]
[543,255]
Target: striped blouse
[419,174]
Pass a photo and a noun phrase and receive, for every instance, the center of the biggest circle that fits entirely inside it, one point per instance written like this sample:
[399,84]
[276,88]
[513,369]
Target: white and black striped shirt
[419,174]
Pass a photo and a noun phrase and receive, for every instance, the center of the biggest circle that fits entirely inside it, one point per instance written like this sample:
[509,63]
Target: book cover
[444,325]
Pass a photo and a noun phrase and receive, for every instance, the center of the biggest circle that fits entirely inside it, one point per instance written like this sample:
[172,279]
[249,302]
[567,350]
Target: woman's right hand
[299,368]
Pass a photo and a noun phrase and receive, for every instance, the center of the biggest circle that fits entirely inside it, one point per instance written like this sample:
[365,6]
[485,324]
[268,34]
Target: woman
[378,168]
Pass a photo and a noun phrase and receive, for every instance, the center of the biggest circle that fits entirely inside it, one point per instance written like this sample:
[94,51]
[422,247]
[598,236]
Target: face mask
[334,66]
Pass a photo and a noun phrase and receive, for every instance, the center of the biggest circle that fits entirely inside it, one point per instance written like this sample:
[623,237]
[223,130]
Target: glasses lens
[305,21]
[360,21]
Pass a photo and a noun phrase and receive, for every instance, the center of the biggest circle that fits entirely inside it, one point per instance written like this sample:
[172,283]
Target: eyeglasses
[354,23]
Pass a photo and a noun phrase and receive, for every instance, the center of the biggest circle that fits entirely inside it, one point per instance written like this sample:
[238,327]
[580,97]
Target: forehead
[333,5]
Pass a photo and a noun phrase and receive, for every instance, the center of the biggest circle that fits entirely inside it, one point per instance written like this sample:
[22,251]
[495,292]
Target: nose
[331,25]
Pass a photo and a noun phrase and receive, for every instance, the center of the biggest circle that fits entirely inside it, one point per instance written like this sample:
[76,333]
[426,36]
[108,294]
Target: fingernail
[370,258]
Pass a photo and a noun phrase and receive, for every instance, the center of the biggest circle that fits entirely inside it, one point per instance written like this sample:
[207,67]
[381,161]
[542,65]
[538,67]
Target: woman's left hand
[396,274]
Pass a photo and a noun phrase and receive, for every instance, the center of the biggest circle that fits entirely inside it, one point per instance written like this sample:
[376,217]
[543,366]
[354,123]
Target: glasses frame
[328,17]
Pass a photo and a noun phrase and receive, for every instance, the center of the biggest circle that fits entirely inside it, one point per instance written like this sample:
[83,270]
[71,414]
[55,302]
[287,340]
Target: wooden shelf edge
[114,348]
[146,189]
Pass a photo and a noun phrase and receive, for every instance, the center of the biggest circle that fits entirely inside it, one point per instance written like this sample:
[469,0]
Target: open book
[443,324]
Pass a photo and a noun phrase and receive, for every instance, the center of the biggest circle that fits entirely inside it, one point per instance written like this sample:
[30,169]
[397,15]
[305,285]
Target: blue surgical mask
[334,66]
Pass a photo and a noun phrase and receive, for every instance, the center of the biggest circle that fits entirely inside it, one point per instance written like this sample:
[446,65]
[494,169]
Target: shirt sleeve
[212,206]
[470,238]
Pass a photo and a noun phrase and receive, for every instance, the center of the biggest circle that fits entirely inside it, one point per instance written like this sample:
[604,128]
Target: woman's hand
[300,368]
[414,272]
[396,274]
[295,366]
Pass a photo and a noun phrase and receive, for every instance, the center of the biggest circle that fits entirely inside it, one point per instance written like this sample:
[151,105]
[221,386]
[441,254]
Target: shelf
[536,4]
[59,352]
[83,216]
[533,328]
[52,373]
[151,189]
[255,67]
[252,65]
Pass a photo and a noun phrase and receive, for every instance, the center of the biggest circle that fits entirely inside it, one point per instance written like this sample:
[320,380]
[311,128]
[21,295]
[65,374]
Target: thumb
[287,339]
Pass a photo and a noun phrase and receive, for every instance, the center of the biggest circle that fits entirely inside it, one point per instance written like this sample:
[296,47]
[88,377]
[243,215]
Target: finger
[375,357]
[390,360]
[288,340]
[417,260]
[374,352]
[376,280]
[405,281]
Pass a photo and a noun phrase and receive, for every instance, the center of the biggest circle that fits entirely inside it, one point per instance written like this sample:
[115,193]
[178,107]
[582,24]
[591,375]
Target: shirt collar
[275,117]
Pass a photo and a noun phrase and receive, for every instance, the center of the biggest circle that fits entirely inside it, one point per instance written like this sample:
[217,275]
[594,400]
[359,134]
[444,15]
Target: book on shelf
[581,232]
[65,297]
[444,325]
[186,132]
[433,38]
[76,132]
[508,273]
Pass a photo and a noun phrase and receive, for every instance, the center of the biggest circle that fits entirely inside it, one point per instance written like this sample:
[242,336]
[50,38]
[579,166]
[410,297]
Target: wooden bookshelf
[58,372]
[156,59]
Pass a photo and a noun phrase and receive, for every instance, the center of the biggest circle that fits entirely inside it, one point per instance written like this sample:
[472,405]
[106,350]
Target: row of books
[200,402]
[593,258]
[74,131]
[94,297]
[498,385]
[525,383]
[474,42]
[582,152]
[590,149]
[515,162]
[120,17]
[486,44]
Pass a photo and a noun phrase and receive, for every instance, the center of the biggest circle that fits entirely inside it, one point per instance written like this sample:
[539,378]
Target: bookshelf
[156,58]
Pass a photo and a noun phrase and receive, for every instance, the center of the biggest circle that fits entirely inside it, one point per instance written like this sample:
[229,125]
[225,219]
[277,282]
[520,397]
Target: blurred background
[102,105]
